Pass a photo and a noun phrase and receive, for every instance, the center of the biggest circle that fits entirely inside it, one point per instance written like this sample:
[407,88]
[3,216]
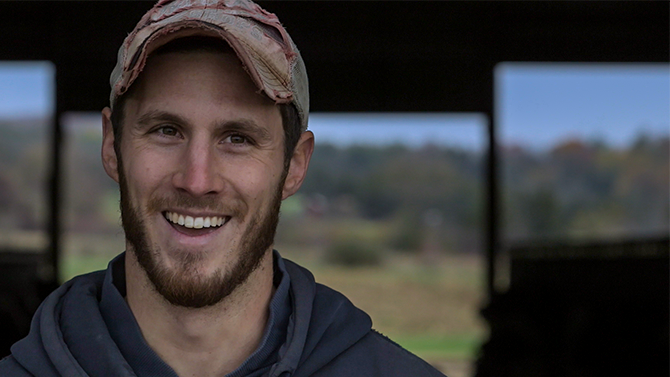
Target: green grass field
[442,347]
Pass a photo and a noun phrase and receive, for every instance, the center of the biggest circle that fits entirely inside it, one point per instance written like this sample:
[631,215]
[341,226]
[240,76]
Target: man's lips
[195,222]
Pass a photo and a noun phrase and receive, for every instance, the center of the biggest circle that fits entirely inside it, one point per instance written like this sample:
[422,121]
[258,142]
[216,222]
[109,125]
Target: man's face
[201,174]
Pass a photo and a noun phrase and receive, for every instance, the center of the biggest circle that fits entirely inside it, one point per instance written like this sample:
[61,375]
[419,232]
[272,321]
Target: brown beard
[182,286]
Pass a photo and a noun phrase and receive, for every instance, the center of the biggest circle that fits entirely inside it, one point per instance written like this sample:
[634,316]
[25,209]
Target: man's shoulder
[377,355]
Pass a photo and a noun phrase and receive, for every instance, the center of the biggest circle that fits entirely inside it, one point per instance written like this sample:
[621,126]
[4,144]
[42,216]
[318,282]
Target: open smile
[195,222]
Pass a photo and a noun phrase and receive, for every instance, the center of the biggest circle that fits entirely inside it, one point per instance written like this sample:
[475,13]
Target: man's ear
[299,164]
[109,160]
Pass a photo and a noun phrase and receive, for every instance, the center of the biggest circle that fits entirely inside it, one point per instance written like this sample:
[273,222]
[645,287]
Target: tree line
[577,189]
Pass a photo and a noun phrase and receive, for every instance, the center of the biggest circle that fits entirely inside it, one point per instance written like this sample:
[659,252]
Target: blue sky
[27,89]
[537,105]
[465,130]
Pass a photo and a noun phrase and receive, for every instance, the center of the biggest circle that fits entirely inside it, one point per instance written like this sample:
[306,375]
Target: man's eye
[238,139]
[168,131]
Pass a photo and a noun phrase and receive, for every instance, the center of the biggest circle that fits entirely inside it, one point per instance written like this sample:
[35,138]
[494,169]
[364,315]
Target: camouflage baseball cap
[262,44]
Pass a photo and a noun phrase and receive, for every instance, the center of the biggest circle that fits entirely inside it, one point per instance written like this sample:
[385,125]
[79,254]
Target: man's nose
[199,172]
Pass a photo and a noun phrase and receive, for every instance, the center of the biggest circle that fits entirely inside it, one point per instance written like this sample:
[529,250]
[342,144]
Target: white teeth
[197,222]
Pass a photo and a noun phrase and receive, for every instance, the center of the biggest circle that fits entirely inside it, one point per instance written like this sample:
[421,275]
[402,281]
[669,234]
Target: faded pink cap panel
[262,44]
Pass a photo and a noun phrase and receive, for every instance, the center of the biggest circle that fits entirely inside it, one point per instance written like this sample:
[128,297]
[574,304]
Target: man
[206,135]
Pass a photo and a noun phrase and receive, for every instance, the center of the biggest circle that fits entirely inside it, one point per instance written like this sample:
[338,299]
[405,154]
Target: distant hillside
[587,190]
[577,189]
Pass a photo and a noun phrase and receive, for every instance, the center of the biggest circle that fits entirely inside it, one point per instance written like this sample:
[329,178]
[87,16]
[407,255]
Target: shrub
[354,252]
[407,234]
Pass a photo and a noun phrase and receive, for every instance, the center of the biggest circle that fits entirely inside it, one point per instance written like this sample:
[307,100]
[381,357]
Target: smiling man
[206,135]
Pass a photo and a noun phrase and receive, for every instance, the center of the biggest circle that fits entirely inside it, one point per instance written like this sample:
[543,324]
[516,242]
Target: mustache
[205,204]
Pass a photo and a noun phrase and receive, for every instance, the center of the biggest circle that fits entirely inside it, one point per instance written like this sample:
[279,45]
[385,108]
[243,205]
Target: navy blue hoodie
[326,336]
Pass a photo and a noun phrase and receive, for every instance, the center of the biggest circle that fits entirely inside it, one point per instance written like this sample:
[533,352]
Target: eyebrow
[241,125]
[163,116]
[245,126]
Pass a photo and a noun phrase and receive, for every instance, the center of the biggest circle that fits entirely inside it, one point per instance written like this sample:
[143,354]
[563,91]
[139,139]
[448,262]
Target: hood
[323,325]
[68,336]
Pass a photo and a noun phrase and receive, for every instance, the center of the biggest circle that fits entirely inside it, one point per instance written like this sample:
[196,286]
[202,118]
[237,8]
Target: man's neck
[211,341]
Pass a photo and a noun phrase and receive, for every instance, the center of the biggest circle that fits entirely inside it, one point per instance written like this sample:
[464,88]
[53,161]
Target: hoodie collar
[323,324]
[126,332]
